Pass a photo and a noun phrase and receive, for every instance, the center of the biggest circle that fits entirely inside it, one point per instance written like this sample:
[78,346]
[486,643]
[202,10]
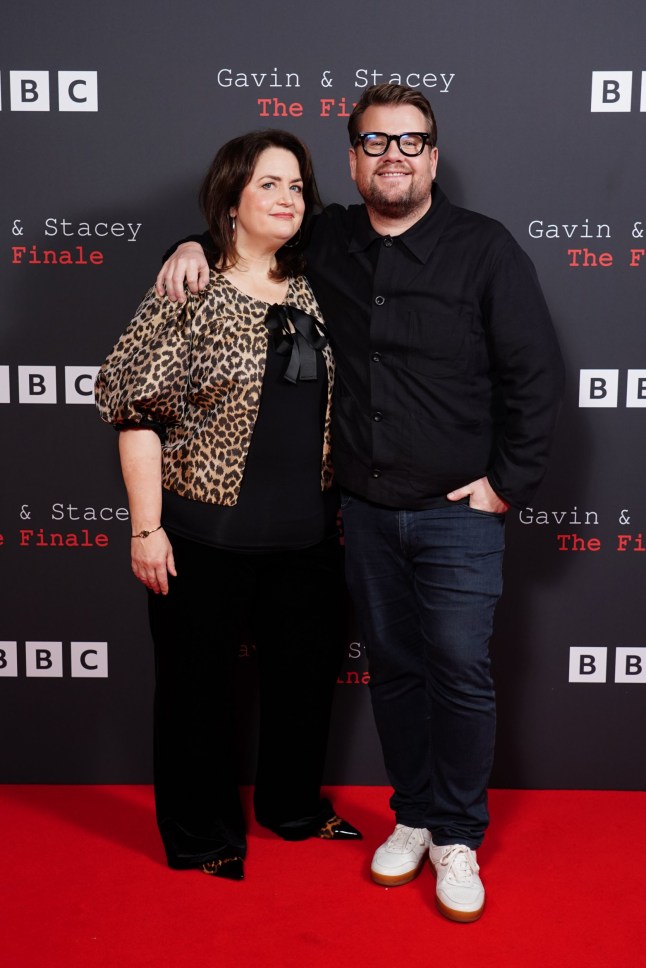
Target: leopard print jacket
[197,370]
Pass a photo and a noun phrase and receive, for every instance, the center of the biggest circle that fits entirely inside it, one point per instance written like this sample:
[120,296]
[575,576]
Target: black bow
[297,335]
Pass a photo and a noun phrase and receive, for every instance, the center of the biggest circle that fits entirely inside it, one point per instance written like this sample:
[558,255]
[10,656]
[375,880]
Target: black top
[280,505]
[448,368]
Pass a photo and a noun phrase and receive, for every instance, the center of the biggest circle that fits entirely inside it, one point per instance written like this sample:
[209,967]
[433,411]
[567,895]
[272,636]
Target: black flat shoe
[230,867]
[338,829]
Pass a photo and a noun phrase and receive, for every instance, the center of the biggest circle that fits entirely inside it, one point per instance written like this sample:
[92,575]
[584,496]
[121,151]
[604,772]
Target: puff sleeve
[145,378]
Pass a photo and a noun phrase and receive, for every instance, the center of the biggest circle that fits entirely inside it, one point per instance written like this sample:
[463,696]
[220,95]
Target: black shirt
[448,368]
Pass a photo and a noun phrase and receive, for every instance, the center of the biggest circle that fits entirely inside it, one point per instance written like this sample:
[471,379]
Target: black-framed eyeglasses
[376,143]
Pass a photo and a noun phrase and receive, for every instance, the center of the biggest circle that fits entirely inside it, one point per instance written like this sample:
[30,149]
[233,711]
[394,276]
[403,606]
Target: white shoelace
[404,838]
[461,863]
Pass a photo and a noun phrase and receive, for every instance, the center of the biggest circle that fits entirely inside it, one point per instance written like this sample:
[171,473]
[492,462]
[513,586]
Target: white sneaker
[400,859]
[459,892]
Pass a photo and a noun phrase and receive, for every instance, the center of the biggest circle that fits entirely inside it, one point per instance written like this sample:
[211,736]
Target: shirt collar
[420,239]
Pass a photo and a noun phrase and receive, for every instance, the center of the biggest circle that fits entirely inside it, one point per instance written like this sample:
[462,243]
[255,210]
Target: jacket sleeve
[204,240]
[144,380]
[528,363]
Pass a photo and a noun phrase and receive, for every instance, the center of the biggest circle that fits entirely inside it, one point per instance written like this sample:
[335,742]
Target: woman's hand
[151,557]
[186,266]
[152,561]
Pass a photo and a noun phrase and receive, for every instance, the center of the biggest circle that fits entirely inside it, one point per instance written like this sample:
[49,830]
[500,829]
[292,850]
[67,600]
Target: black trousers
[293,603]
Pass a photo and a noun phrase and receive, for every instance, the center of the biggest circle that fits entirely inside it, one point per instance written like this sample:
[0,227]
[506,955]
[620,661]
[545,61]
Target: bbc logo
[88,660]
[600,388]
[37,384]
[591,665]
[30,91]
[613,91]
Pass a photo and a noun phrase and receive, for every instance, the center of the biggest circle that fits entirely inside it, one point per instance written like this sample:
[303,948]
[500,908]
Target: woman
[224,409]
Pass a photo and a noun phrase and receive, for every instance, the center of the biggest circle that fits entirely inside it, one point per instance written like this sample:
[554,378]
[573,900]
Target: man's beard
[414,198]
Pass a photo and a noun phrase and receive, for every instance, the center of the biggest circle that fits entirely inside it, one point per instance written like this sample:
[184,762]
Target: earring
[233,223]
[293,242]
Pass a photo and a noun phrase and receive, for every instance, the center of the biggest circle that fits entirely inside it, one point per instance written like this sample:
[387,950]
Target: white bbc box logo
[29,90]
[78,91]
[8,658]
[5,391]
[79,383]
[636,388]
[630,666]
[44,659]
[588,664]
[89,660]
[611,90]
[598,388]
[37,384]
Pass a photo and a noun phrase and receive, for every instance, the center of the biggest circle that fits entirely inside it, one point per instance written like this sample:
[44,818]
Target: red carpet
[84,884]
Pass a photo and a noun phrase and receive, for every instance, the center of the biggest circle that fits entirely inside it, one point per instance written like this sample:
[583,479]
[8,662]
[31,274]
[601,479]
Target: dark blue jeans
[425,586]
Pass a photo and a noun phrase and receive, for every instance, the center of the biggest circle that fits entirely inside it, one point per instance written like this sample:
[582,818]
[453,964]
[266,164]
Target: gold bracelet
[144,534]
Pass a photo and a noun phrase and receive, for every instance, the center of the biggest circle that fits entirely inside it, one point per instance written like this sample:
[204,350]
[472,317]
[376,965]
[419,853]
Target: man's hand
[482,497]
[186,266]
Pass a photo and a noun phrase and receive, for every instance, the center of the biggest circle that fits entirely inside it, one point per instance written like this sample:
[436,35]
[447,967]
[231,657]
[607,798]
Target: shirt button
[376,357]
[376,472]
[388,241]
[377,416]
[379,300]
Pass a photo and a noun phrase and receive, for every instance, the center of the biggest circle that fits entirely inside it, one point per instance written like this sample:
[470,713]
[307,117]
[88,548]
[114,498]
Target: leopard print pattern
[327,831]
[197,371]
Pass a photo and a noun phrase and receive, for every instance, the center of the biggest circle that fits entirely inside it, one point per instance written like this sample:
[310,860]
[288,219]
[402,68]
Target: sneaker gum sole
[464,917]
[395,880]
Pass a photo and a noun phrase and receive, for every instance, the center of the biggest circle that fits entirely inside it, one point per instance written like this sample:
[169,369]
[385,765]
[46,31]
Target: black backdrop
[110,113]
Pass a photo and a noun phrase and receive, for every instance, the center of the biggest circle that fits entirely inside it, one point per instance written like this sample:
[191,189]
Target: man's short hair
[391,94]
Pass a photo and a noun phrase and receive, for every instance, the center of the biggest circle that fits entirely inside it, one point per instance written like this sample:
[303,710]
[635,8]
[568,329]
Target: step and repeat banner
[109,116]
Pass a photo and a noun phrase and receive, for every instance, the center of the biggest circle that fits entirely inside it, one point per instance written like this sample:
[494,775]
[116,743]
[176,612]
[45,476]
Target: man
[448,382]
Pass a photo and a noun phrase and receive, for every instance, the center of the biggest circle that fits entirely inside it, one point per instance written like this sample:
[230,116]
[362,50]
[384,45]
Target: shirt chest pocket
[439,345]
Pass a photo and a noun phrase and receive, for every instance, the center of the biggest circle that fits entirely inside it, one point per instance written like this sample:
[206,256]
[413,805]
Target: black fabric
[297,335]
[281,504]
[448,368]
[293,603]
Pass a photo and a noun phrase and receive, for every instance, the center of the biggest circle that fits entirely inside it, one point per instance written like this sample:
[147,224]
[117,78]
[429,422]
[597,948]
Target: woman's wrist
[146,531]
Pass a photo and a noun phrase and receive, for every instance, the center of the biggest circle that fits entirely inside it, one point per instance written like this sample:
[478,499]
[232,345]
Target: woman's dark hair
[392,94]
[232,169]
